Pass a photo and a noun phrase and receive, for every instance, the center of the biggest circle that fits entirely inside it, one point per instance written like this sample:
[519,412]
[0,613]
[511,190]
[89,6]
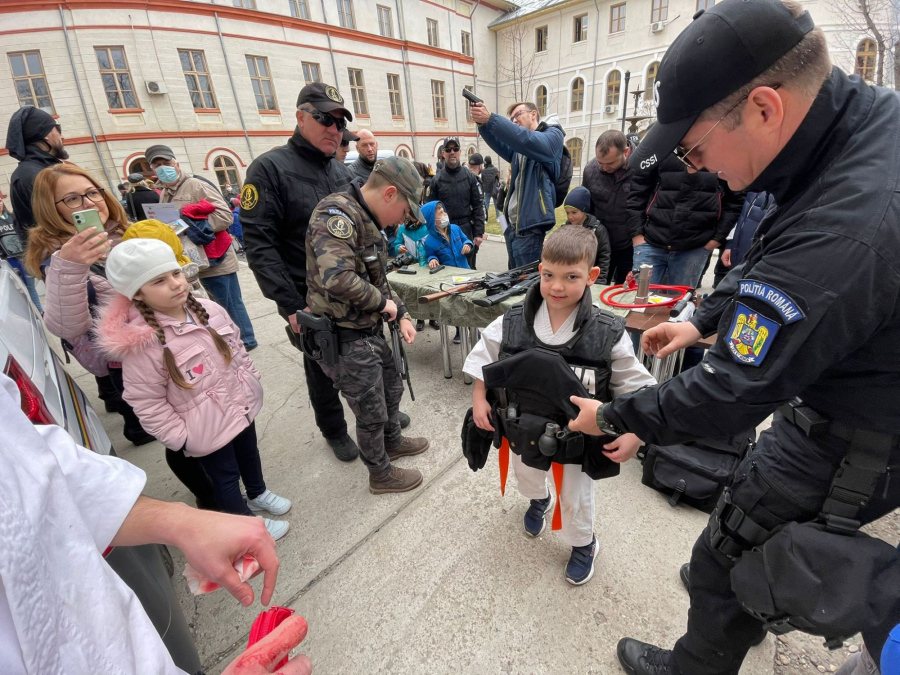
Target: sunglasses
[451,149]
[326,120]
[682,154]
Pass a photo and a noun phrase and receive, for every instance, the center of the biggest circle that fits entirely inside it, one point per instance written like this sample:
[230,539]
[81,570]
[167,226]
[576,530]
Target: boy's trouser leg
[365,376]
[577,498]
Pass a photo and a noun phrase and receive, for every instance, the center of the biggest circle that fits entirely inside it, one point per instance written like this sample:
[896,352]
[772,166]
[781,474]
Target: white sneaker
[277,528]
[269,501]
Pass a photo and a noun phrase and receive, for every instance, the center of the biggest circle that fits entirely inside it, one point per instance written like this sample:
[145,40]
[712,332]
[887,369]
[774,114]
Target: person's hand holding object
[466,249]
[262,657]
[586,422]
[480,113]
[667,338]
[85,247]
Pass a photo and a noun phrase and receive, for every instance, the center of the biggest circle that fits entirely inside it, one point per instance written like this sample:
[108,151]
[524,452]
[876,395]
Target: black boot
[640,658]
[345,449]
[404,419]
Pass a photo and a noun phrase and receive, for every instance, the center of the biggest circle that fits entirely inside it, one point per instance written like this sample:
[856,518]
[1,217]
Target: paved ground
[442,580]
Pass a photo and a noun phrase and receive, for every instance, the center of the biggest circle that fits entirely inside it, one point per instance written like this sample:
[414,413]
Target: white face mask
[443,223]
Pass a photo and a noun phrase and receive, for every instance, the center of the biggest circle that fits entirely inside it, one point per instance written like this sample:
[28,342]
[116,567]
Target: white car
[50,396]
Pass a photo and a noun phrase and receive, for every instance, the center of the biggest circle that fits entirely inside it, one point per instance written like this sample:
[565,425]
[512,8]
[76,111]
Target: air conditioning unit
[658,27]
[156,87]
[610,109]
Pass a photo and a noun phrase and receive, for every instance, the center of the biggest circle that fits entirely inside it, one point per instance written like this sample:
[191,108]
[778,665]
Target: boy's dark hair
[570,245]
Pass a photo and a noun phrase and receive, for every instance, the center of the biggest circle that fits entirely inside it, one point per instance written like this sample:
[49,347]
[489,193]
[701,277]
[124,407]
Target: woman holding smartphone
[76,224]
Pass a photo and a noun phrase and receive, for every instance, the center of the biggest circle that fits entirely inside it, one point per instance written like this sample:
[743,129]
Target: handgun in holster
[318,338]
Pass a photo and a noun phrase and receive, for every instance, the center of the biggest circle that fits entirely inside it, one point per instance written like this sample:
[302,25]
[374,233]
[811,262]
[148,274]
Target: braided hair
[171,366]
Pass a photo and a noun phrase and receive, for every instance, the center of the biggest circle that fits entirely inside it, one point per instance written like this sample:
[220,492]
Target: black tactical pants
[326,404]
[469,232]
[785,479]
[366,376]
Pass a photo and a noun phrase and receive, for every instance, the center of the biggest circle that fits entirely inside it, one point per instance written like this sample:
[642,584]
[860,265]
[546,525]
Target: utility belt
[322,340]
[822,577]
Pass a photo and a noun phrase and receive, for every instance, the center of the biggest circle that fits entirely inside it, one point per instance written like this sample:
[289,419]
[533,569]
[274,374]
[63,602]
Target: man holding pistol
[346,254]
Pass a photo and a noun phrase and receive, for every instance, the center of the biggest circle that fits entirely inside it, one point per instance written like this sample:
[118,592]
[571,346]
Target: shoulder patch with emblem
[249,197]
[781,301]
[339,226]
[750,336]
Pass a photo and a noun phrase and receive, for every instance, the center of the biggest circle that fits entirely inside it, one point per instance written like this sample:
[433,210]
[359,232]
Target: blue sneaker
[536,515]
[581,563]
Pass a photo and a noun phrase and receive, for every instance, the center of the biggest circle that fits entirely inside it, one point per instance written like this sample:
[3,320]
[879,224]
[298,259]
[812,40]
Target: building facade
[575,56]
[217,80]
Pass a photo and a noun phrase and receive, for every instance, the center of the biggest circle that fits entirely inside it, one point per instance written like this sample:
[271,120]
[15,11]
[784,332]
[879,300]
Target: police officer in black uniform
[459,191]
[280,192]
[747,90]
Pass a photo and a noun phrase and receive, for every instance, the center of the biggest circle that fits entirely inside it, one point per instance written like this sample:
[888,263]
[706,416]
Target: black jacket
[361,169]
[21,184]
[822,277]
[609,193]
[138,197]
[489,176]
[281,190]
[460,193]
[603,247]
[680,211]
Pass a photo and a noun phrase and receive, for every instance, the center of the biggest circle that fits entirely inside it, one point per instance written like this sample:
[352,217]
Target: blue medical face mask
[167,174]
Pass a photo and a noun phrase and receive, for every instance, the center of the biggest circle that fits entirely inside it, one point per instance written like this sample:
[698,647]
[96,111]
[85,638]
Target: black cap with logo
[451,140]
[324,98]
[724,48]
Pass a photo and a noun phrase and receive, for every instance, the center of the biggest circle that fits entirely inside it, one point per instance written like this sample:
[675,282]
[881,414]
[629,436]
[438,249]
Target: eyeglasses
[521,112]
[325,119]
[94,195]
[682,154]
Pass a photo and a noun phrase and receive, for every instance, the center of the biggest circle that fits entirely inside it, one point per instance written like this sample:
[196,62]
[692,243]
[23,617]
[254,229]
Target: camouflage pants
[366,377]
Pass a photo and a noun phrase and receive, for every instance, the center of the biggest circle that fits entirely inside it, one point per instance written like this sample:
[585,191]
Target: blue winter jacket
[755,208]
[535,157]
[437,247]
[416,234]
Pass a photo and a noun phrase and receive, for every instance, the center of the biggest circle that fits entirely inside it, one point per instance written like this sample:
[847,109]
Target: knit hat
[133,263]
[579,198]
[155,229]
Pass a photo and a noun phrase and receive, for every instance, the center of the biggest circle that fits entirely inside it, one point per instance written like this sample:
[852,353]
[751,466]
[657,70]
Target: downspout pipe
[593,78]
[405,57]
[474,71]
[84,109]
[237,101]
[330,49]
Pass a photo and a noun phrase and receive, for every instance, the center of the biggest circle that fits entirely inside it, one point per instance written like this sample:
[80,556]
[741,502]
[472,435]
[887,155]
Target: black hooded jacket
[21,185]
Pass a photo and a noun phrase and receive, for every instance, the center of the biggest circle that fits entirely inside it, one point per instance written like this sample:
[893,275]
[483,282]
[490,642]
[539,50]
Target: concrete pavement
[440,580]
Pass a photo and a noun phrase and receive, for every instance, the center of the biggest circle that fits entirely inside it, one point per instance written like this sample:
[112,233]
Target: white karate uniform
[63,611]
[577,494]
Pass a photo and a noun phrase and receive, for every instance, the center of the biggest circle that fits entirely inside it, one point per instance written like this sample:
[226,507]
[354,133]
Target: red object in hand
[265,623]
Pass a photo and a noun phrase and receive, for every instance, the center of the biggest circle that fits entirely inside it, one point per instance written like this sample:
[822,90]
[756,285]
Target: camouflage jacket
[340,283]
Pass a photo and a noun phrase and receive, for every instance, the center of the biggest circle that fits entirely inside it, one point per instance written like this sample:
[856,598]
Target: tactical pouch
[318,339]
[523,433]
[594,463]
[805,578]
[476,443]
[695,473]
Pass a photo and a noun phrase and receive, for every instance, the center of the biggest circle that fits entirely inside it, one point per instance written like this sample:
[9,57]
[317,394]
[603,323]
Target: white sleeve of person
[628,374]
[62,608]
[486,351]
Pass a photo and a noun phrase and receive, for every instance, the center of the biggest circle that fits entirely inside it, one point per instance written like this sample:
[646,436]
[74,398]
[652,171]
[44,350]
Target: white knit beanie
[134,262]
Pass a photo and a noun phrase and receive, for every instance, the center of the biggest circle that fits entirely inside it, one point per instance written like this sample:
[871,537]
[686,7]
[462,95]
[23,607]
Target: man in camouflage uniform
[346,253]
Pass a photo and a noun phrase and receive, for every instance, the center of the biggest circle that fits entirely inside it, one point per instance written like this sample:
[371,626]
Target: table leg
[445,350]
[464,348]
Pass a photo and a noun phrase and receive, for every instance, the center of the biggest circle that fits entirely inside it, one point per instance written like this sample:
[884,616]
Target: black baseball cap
[476,159]
[324,98]
[347,136]
[724,48]
[454,140]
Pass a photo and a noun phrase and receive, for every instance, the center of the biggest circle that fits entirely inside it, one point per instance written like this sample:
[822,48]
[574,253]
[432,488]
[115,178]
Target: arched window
[226,172]
[613,85]
[866,55]
[141,165]
[652,71]
[470,151]
[541,100]
[577,95]
[403,153]
[575,146]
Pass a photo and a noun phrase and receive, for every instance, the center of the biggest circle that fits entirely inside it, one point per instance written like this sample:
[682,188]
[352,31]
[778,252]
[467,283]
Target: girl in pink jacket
[187,374]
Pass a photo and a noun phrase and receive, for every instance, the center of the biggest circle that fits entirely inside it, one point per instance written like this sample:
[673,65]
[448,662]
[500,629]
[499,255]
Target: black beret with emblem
[324,98]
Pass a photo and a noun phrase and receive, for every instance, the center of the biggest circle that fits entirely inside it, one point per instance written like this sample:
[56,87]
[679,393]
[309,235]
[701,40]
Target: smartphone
[84,220]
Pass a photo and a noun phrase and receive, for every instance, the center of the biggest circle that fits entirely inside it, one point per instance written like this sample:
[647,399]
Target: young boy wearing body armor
[559,316]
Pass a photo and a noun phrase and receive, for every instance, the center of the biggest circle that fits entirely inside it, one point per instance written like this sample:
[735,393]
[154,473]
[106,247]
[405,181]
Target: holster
[318,338]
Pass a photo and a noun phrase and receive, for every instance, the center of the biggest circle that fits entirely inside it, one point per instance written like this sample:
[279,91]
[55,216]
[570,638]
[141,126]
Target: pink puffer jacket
[67,312]
[223,399]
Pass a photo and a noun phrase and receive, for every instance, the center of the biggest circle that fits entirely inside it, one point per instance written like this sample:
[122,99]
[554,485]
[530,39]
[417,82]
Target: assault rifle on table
[399,351]
[492,282]
[512,291]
